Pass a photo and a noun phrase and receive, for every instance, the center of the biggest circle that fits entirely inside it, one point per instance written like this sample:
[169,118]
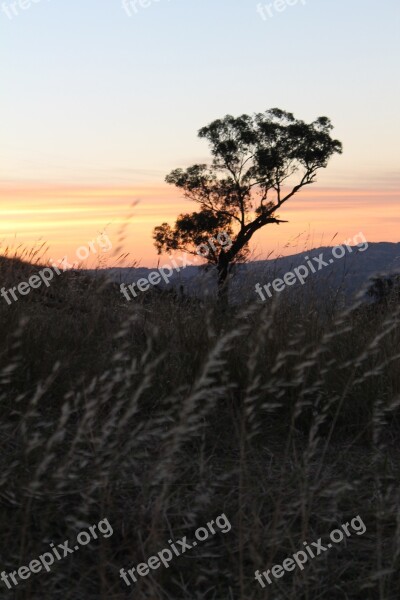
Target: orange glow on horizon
[69,216]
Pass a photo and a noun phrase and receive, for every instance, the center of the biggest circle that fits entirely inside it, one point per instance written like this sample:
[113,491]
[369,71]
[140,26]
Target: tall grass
[161,414]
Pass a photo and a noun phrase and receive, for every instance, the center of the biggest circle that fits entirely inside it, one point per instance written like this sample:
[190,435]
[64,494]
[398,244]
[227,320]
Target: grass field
[161,414]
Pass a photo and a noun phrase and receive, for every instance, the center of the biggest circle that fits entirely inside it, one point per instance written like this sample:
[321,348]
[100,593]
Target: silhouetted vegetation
[385,289]
[255,158]
[159,415]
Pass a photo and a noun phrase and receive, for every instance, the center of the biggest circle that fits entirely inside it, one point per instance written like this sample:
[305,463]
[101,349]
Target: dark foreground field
[161,415]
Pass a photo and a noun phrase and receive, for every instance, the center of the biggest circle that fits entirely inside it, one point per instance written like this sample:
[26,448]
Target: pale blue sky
[89,94]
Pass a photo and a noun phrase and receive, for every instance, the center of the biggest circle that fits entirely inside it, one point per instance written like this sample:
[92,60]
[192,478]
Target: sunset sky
[98,106]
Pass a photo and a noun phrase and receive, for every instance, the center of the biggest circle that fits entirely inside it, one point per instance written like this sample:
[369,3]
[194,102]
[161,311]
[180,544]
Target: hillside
[348,274]
[164,414]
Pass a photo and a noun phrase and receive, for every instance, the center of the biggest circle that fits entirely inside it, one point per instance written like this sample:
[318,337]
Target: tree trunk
[223,271]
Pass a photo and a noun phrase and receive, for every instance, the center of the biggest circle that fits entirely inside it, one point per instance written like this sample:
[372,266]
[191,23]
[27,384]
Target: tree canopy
[258,163]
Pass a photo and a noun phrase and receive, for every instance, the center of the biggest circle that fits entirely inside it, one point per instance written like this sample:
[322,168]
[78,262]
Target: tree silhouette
[385,288]
[259,163]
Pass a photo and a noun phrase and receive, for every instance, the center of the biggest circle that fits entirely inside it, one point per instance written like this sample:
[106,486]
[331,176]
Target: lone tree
[259,162]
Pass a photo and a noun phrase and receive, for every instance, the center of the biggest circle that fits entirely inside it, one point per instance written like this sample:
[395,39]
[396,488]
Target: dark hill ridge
[350,273]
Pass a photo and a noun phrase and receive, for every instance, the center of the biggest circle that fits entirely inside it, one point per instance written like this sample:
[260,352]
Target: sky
[100,100]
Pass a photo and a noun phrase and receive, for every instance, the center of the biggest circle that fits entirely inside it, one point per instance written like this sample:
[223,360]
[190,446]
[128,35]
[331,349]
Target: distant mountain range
[347,274]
